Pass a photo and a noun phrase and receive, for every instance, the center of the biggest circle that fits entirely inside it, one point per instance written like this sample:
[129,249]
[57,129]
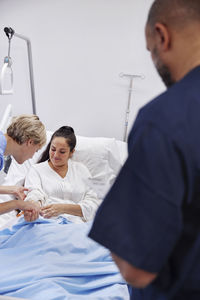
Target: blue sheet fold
[55,260]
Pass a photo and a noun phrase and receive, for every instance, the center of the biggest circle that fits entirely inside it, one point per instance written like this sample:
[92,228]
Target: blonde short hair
[25,127]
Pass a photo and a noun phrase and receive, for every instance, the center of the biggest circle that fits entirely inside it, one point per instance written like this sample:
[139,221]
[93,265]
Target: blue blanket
[54,259]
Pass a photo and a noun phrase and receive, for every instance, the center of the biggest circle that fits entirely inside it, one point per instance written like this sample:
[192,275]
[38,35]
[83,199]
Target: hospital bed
[55,259]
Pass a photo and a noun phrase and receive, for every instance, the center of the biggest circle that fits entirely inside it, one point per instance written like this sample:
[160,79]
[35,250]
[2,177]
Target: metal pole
[128,109]
[30,61]
[131,77]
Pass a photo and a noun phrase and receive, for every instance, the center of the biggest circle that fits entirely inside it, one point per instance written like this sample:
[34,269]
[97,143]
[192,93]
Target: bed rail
[6,118]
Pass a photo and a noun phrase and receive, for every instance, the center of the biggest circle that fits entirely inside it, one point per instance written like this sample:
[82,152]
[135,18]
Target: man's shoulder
[156,112]
[176,100]
[169,109]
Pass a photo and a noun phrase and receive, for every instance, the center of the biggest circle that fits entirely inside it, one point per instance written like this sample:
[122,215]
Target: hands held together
[32,210]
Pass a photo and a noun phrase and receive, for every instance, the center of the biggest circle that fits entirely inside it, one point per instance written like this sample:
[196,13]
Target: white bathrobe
[75,188]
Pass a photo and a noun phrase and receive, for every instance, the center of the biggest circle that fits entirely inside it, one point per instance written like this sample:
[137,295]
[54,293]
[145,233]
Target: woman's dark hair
[66,132]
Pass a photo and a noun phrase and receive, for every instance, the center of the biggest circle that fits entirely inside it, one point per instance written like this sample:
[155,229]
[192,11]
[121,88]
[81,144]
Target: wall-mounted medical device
[6,75]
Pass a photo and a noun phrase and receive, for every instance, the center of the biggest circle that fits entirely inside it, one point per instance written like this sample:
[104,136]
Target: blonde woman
[25,135]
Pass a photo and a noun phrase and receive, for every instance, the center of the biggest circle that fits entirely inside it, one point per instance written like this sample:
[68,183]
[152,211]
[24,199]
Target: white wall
[79,48]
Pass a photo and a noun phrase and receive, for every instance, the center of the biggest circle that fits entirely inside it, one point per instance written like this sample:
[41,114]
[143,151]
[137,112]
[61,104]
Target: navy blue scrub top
[151,215]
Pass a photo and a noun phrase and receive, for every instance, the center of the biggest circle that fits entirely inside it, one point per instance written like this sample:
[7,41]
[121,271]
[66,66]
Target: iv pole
[9,31]
[131,77]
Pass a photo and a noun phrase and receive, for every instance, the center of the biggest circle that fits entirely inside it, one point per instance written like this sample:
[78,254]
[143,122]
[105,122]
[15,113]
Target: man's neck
[179,73]
[186,59]
[9,145]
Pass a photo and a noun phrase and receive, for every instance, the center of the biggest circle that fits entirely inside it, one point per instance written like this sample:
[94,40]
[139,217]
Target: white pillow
[100,155]
[123,150]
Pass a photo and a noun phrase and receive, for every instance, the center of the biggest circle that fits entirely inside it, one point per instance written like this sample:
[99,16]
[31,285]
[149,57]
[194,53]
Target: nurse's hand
[17,191]
[31,210]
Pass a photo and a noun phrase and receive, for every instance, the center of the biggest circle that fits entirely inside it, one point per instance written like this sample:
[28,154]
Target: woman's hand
[52,210]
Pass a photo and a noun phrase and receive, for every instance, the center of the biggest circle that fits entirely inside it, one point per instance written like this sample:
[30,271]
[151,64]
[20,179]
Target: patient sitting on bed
[60,185]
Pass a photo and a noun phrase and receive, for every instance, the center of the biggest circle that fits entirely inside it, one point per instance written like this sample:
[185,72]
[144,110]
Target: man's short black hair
[174,12]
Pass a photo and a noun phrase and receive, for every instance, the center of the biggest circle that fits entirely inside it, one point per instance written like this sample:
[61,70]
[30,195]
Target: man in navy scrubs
[150,219]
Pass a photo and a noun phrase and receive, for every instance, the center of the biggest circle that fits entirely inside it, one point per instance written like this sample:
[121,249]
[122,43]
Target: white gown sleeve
[33,183]
[90,202]
[89,205]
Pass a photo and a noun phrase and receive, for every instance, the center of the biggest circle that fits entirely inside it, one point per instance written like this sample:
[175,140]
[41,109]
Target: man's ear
[162,36]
